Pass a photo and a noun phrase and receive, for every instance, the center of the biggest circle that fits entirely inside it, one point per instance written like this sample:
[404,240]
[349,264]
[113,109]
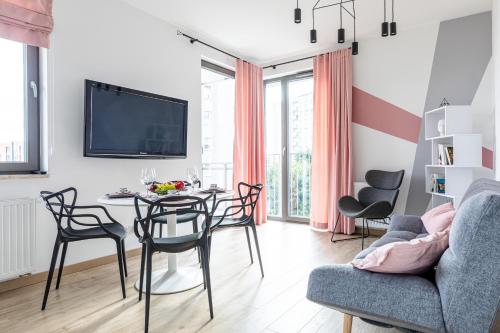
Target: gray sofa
[461,295]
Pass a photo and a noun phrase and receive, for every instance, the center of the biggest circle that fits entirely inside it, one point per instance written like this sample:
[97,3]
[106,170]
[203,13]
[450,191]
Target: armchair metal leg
[347,323]
[249,245]
[350,238]
[55,253]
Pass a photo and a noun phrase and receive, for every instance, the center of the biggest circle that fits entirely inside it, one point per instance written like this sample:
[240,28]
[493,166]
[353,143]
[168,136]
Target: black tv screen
[122,122]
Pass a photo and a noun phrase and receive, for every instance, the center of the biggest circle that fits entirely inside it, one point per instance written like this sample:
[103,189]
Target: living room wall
[112,42]
[396,79]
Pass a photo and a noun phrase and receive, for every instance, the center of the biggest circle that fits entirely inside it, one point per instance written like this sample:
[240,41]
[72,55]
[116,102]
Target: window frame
[285,80]
[31,115]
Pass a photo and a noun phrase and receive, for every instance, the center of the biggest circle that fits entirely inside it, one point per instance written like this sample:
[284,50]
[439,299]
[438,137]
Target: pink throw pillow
[410,257]
[438,218]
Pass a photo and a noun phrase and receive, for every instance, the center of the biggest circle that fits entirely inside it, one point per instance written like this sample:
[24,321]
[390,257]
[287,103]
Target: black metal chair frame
[64,215]
[242,210]
[374,211]
[164,207]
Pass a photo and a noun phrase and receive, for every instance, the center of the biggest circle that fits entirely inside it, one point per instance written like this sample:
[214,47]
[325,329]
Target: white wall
[112,42]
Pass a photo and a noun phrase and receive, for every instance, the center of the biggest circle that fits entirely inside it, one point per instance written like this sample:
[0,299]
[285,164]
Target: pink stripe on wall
[487,158]
[375,113]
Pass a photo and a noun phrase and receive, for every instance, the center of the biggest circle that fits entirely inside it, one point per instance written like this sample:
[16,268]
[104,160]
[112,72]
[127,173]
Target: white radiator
[17,237]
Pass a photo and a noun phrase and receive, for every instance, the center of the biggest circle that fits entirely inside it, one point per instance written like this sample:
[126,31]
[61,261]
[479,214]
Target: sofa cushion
[406,301]
[406,257]
[468,274]
[438,218]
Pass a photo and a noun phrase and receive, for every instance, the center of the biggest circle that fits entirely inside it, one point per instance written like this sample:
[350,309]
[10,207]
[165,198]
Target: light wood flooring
[90,301]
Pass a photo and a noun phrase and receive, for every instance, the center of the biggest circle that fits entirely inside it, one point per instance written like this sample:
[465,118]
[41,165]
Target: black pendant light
[313,34]
[354,46]
[393,24]
[341,31]
[297,14]
[385,24]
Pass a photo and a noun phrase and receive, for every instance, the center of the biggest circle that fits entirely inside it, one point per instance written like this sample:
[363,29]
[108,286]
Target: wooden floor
[90,301]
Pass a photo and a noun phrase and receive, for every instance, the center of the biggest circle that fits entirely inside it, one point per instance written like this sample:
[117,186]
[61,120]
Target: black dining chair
[75,223]
[375,202]
[197,240]
[239,213]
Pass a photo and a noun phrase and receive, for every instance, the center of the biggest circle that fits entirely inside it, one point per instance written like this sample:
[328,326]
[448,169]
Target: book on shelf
[445,154]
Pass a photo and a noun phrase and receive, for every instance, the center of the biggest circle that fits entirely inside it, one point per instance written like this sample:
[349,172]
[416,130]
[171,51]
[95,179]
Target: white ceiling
[263,31]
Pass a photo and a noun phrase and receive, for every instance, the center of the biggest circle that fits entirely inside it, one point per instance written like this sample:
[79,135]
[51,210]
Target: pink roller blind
[26,21]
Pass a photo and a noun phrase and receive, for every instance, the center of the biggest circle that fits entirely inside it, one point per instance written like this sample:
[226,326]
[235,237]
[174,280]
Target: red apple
[179,185]
[152,187]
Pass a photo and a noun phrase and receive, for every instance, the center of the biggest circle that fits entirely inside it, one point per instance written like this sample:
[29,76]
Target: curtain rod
[292,61]
[196,40]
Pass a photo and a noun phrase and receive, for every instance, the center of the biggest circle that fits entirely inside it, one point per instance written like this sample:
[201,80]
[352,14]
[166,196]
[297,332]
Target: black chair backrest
[384,186]
[169,206]
[61,204]
[249,196]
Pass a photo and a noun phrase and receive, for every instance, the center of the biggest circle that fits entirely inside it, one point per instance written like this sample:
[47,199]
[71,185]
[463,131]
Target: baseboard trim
[28,280]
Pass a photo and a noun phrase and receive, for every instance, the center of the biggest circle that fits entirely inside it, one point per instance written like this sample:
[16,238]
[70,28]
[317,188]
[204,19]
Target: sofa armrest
[410,223]
[406,301]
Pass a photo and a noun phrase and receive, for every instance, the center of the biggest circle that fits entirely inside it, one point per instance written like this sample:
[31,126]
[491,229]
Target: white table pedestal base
[165,282]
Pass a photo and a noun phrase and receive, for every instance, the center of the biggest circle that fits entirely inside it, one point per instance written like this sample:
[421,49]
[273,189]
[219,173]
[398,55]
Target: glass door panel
[273,124]
[300,115]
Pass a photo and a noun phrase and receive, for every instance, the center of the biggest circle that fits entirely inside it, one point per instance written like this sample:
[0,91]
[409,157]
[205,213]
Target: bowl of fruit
[167,188]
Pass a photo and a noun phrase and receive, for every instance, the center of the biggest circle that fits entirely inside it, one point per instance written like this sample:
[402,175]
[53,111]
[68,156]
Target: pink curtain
[26,21]
[249,159]
[331,175]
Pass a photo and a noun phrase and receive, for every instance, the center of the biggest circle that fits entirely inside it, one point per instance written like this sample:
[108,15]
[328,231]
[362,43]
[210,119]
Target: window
[19,108]
[217,124]
[288,117]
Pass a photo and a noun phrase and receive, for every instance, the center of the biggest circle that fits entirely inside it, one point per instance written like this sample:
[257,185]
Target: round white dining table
[173,278]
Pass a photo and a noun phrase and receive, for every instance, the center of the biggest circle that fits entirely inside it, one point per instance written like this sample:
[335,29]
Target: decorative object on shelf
[445,154]
[441,126]
[441,185]
[297,14]
[444,102]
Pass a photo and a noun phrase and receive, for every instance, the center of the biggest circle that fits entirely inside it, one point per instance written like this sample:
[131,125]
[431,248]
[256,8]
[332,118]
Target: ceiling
[263,31]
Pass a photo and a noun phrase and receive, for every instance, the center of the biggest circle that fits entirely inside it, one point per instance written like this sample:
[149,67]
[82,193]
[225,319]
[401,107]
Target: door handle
[34,87]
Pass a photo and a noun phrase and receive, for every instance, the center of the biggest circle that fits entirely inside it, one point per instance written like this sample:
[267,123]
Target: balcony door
[288,117]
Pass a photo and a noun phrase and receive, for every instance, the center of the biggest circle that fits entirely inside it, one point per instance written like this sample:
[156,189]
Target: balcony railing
[299,182]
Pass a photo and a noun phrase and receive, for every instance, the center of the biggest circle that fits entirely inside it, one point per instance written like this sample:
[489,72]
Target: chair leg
[195,230]
[347,323]
[203,270]
[335,227]
[161,230]
[124,256]
[120,265]
[207,276]
[55,252]
[149,268]
[141,277]
[254,229]
[61,264]
[363,235]
[249,244]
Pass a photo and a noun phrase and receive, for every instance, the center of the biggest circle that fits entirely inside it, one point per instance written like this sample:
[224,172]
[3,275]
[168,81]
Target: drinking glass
[147,176]
[193,176]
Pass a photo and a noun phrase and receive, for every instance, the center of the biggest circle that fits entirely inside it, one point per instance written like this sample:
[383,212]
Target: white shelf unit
[467,152]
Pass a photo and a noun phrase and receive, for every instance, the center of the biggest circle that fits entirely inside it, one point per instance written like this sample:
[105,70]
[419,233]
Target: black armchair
[375,202]
[74,226]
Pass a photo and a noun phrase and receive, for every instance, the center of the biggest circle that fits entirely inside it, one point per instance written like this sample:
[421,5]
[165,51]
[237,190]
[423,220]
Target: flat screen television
[127,123]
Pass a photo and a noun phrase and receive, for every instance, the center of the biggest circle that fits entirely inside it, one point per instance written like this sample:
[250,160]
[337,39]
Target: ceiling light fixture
[354,46]
[393,24]
[385,24]
[341,31]
[313,35]
[297,14]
